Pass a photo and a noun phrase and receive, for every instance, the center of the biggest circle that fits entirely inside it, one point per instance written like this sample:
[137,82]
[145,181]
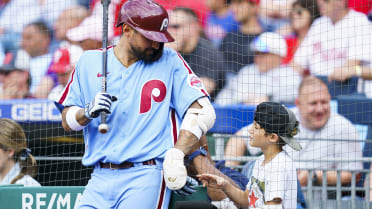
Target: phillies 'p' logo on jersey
[153,89]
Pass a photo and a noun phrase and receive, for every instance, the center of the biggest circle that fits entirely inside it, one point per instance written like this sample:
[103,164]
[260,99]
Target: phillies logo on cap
[164,24]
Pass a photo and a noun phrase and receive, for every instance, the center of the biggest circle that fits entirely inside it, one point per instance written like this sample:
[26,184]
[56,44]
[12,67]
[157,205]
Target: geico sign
[49,201]
[35,112]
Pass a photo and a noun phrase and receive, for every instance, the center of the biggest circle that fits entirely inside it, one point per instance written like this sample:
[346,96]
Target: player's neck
[123,55]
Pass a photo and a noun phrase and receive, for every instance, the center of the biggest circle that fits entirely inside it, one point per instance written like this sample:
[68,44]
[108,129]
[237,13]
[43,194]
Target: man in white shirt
[337,44]
[265,80]
[322,129]
[36,38]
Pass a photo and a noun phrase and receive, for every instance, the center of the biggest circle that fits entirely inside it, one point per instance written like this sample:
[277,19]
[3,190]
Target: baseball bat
[103,127]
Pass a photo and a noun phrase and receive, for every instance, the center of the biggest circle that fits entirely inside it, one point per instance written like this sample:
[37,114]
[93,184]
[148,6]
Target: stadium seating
[358,110]
[337,88]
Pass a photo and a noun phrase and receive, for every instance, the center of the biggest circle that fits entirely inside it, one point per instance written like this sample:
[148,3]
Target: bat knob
[103,128]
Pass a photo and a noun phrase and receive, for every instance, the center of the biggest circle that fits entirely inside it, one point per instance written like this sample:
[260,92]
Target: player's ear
[127,30]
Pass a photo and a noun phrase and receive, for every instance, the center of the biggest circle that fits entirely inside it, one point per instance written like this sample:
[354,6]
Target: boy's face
[257,137]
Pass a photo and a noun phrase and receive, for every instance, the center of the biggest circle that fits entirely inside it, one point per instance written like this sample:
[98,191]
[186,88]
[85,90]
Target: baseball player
[150,90]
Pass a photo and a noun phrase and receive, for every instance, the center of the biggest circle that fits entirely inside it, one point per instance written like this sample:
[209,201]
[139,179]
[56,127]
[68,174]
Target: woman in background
[17,165]
[302,15]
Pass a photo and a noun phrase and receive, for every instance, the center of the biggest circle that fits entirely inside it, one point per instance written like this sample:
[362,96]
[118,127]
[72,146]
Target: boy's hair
[281,143]
[275,118]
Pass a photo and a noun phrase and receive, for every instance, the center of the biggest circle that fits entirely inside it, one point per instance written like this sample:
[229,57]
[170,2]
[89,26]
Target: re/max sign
[50,200]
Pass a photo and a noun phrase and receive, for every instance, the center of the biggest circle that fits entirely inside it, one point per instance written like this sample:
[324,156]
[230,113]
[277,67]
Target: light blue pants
[140,187]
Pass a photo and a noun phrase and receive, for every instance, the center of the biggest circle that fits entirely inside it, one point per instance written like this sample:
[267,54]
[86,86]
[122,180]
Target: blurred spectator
[275,13]
[322,129]
[15,16]
[203,58]
[17,165]
[36,38]
[199,7]
[87,35]
[16,76]
[50,10]
[235,45]
[302,15]
[337,43]
[266,79]
[64,61]
[69,18]
[220,21]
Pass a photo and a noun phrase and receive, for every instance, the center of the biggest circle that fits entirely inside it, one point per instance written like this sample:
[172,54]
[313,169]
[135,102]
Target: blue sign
[29,110]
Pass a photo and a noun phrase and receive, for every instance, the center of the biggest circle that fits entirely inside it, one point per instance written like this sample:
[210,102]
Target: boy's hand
[213,181]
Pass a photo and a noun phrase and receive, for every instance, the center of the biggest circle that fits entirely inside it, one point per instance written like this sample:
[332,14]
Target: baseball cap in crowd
[270,42]
[277,119]
[19,60]
[65,57]
[91,27]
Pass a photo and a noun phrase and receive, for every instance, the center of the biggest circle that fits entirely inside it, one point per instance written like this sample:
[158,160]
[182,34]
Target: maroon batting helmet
[147,17]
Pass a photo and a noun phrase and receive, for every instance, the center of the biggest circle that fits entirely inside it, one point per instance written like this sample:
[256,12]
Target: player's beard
[146,54]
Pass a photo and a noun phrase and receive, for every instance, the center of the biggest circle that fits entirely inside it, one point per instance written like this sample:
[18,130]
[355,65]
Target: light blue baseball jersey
[152,97]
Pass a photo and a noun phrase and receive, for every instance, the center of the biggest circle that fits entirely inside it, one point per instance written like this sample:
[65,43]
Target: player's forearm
[238,196]
[186,141]
[80,118]
[203,165]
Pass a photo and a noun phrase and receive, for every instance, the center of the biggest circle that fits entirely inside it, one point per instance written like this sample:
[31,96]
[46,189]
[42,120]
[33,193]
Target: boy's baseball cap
[277,119]
[65,57]
[270,42]
[19,60]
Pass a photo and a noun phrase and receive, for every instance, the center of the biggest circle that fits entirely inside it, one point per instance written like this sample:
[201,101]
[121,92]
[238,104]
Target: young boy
[273,184]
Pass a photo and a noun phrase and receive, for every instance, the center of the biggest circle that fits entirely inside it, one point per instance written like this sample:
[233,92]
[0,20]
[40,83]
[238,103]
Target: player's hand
[175,174]
[188,189]
[100,103]
[213,181]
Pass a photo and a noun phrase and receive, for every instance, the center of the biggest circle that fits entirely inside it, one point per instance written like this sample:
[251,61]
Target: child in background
[273,184]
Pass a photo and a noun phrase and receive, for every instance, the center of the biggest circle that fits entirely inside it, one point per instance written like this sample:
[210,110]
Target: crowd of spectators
[323,37]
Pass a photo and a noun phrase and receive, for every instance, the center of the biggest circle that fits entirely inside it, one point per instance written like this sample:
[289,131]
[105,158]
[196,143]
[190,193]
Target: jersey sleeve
[186,87]
[72,94]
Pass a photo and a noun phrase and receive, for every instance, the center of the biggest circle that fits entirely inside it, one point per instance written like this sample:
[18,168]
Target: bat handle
[103,127]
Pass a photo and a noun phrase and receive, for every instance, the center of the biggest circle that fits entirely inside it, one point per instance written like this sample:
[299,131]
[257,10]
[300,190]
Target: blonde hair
[12,137]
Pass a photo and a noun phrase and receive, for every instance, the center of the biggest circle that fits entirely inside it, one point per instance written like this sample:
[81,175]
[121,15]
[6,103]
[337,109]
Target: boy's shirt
[276,179]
